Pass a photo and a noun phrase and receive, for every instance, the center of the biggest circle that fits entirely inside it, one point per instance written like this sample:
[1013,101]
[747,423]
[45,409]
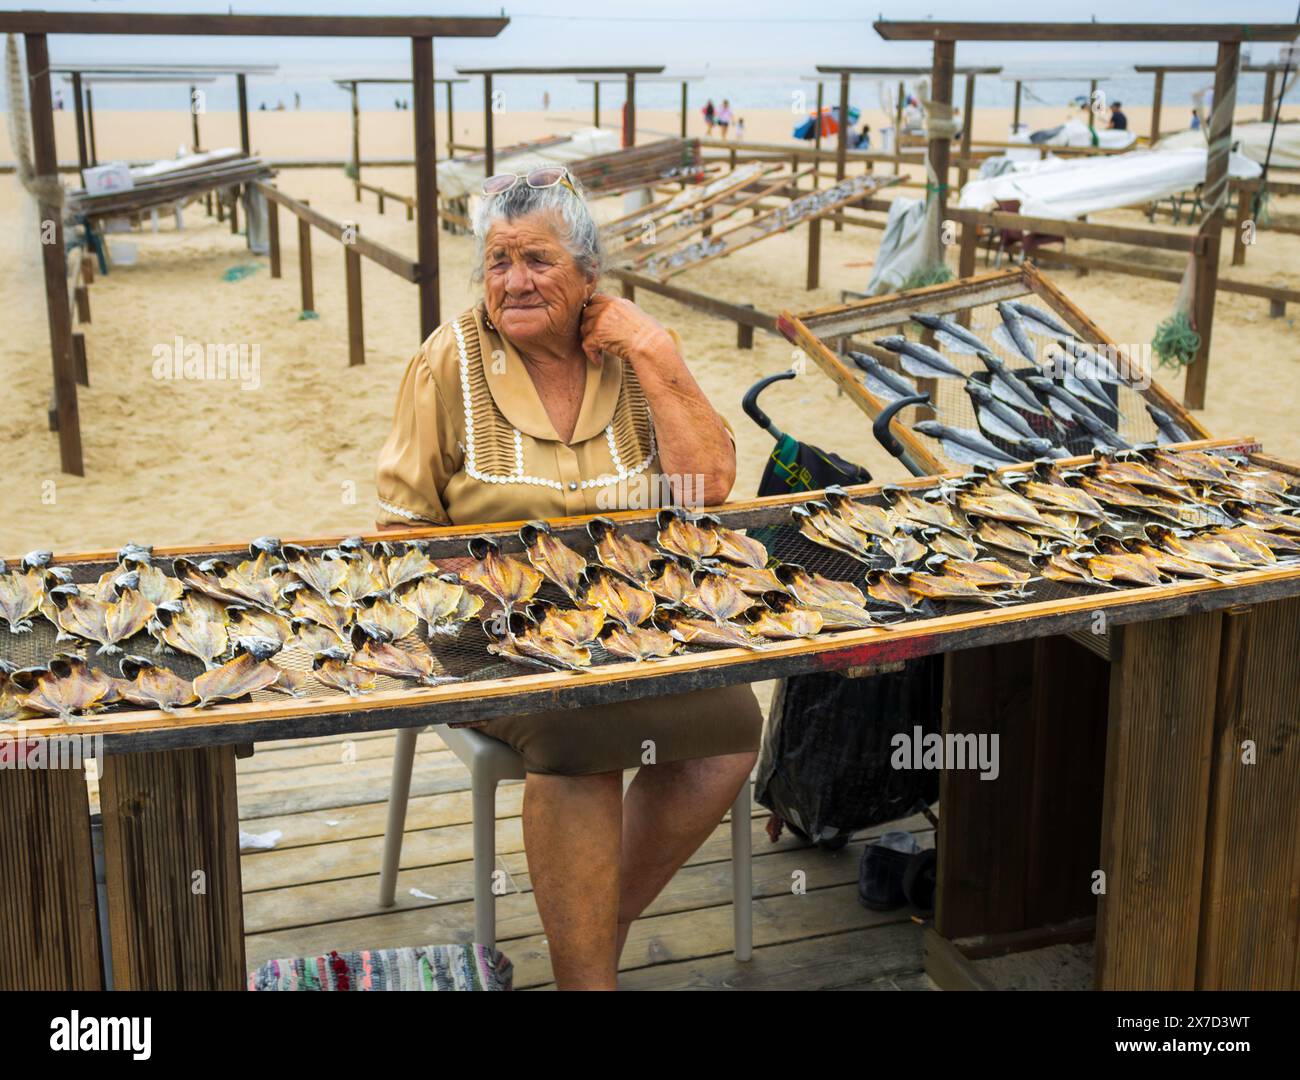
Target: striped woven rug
[426,967]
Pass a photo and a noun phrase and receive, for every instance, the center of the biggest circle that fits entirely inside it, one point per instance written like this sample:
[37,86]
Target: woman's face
[533,287]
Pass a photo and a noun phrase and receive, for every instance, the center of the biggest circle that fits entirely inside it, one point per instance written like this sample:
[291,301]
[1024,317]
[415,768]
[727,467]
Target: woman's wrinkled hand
[616,325]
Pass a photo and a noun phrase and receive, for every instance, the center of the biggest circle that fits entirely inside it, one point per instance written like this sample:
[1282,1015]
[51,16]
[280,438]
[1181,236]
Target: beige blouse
[472,443]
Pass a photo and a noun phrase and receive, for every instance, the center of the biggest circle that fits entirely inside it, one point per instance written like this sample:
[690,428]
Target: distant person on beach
[1118,121]
[546,100]
[1196,121]
[864,138]
[709,117]
[724,117]
[740,129]
[297,101]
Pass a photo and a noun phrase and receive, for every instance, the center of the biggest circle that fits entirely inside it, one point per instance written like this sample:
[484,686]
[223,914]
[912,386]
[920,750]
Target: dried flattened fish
[387,617]
[194,625]
[148,683]
[736,548]
[840,603]
[21,592]
[361,583]
[333,667]
[681,534]
[616,596]
[559,562]
[66,687]
[985,573]
[1005,536]
[442,602]
[1263,518]
[671,579]
[106,622]
[867,518]
[510,581]
[781,618]
[12,710]
[886,587]
[956,547]
[819,523]
[516,639]
[253,622]
[577,626]
[402,562]
[1199,549]
[753,580]
[306,603]
[640,643]
[373,650]
[717,596]
[691,631]
[249,670]
[947,586]
[624,554]
[322,573]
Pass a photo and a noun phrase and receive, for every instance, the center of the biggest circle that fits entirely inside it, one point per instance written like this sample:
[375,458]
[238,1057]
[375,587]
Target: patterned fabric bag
[426,967]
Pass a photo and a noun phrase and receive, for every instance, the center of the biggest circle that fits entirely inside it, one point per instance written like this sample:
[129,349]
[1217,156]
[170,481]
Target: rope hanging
[46,190]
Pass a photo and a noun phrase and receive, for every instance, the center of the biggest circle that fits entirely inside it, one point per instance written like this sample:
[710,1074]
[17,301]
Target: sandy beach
[186,462]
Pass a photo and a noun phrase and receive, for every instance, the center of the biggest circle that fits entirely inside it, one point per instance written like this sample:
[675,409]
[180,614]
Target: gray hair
[578,230]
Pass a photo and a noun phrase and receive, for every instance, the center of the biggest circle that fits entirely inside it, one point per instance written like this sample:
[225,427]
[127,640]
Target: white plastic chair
[490,761]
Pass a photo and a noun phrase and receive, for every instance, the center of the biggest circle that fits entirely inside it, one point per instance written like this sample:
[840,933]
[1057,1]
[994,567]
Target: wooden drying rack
[812,330]
[313,716]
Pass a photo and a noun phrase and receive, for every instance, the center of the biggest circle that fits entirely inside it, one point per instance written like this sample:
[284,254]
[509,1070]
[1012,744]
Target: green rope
[351,171]
[1175,341]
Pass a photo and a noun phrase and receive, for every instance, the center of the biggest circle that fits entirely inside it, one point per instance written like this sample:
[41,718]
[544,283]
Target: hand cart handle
[880,428]
[750,402]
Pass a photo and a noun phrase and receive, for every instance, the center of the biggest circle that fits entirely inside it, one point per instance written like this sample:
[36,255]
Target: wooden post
[629,291]
[1157,97]
[245,144]
[273,227]
[90,125]
[629,112]
[83,155]
[1163,684]
[451,133]
[817,138]
[595,103]
[80,366]
[50,223]
[1270,77]
[381,202]
[171,853]
[1244,192]
[938,150]
[194,119]
[426,179]
[1216,180]
[1092,92]
[82,296]
[1015,116]
[814,273]
[234,210]
[304,263]
[744,333]
[51,937]
[356,140]
[842,146]
[967,123]
[898,129]
[966,260]
[352,276]
[489,151]
[684,84]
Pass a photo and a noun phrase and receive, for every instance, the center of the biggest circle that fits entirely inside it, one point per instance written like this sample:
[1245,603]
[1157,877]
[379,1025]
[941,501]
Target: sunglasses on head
[544,176]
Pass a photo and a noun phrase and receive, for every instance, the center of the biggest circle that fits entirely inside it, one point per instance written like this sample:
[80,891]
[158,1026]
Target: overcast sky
[748,37]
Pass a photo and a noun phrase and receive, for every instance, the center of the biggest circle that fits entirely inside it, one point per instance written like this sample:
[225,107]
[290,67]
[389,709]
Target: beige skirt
[625,735]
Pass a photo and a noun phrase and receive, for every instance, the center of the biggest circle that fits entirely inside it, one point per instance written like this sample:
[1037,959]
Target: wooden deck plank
[377,769]
[878,958]
[360,783]
[291,758]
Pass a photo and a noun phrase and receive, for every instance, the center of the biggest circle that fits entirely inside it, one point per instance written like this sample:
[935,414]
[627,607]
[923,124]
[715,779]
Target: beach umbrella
[806,129]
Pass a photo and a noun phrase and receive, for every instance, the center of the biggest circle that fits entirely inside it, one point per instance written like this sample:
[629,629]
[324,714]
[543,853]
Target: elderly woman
[548,399]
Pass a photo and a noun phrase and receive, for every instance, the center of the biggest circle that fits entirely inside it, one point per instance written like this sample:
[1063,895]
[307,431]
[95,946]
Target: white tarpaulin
[457,177]
[1077,133]
[1250,140]
[1070,188]
[902,247]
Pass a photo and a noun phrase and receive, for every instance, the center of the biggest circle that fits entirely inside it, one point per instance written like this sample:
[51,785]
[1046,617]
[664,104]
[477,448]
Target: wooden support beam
[629,112]
[90,125]
[356,138]
[814,270]
[82,295]
[171,852]
[1015,116]
[595,103]
[352,277]
[50,223]
[273,228]
[49,936]
[1216,189]
[898,128]
[1157,99]
[1162,708]
[241,83]
[426,180]
[79,364]
[234,210]
[451,133]
[304,264]
[489,144]
[967,123]
[684,96]
[842,141]
[194,119]
[940,148]
[83,151]
[1270,79]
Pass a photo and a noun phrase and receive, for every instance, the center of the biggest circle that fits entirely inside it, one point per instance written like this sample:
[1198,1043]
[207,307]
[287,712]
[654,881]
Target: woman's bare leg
[572,829]
[668,812]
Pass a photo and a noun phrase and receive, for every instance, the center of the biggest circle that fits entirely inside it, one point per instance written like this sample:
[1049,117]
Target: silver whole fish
[1009,387]
[965,446]
[920,360]
[951,334]
[1012,333]
[885,383]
